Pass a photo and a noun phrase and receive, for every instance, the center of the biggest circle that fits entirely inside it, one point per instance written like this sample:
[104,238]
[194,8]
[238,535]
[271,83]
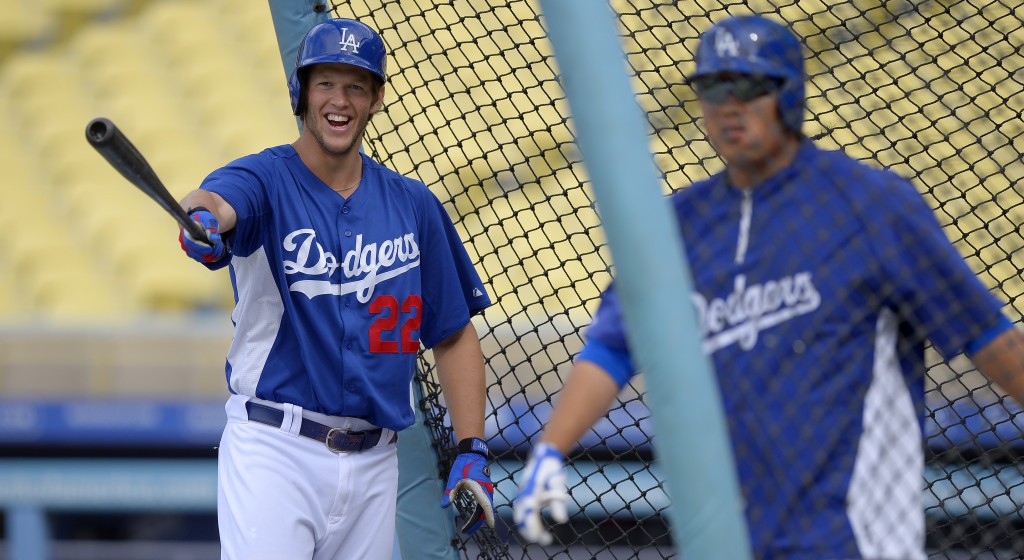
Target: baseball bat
[123,156]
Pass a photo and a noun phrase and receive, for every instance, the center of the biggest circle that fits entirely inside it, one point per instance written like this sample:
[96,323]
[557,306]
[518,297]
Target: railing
[35,479]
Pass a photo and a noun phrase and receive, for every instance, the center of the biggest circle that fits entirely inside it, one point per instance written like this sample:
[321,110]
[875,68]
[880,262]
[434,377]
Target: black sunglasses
[744,87]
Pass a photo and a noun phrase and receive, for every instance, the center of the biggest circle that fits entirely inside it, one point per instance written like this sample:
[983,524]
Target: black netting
[930,90]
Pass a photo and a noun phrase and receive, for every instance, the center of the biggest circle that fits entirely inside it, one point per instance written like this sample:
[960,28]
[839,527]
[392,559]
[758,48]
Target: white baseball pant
[282,496]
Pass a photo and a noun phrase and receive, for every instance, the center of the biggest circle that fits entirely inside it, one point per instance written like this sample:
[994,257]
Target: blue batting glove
[543,486]
[470,477]
[211,254]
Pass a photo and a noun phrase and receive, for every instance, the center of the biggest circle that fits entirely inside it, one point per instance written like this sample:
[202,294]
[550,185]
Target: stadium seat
[97,44]
[12,302]
[24,75]
[167,280]
[24,202]
[45,95]
[84,181]
[140,246]
[21,21]
[183,33]
[72,292]
[57,275]
[77,10]
[150,69]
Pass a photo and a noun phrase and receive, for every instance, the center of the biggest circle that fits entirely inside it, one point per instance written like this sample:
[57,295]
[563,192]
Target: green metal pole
[653,281]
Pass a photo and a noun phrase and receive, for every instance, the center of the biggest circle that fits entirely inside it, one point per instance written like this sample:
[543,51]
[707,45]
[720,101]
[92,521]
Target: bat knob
[99,130]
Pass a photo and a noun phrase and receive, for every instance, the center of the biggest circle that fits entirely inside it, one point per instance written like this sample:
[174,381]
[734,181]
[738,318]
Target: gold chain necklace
[350,187]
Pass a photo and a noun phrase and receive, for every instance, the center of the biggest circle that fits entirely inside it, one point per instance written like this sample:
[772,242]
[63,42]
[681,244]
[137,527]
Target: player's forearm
[460,370]
[1002,361]
[585,398]
[214,203]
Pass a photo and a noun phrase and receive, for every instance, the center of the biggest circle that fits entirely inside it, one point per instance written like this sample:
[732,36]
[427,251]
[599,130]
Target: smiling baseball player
[341,268]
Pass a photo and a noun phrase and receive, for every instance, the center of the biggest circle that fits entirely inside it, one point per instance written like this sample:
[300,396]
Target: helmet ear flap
[295,92]
[791,105]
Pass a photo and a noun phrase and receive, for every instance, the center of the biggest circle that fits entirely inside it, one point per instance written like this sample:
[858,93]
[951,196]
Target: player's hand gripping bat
[123,156]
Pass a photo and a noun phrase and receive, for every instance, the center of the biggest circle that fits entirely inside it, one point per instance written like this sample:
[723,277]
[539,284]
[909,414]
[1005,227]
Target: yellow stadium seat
[161,76]
[34,242]
[78,9]
[56,139]
[40,252]
[181,21]
[70,289]
[13,304]
[36,72]
[83,179]
[107,43]
[22,195]
[42,90]
[131,77]
[22,21]
[143,250]
[164,278]
[60,278]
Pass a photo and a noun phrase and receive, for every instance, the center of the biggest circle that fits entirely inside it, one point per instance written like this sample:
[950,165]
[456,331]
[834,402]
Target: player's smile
[337,126]
[335,133]
[337,122]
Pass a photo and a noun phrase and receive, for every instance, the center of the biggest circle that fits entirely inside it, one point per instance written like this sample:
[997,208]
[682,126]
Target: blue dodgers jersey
[332,295]
[815,294]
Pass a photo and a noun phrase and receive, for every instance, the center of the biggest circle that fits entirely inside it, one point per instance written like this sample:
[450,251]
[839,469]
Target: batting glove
[210,254]
[543,486]
[471,478]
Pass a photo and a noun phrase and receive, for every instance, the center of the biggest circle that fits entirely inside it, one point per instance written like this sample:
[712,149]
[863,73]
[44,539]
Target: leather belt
[338,440]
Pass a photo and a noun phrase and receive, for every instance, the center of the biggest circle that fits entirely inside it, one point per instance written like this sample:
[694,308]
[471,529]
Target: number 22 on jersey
[404,318]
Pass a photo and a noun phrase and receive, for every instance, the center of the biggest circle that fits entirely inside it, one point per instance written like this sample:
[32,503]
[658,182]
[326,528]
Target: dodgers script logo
[748,310]
[361,267]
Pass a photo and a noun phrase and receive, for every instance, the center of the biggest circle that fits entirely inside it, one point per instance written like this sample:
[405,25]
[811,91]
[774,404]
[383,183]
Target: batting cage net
[929,90]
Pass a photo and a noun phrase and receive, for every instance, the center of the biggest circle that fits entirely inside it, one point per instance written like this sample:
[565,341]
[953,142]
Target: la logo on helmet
[348,40]
[726,44]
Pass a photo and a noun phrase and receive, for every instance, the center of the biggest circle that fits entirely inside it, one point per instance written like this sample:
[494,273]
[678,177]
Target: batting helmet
[344,41]
[758,46]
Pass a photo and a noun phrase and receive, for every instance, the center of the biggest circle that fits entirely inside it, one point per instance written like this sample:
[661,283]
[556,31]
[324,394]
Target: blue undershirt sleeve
[616,363]
[1002,325]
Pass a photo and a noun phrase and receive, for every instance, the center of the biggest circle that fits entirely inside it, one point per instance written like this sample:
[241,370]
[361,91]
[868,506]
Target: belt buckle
[330,433]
